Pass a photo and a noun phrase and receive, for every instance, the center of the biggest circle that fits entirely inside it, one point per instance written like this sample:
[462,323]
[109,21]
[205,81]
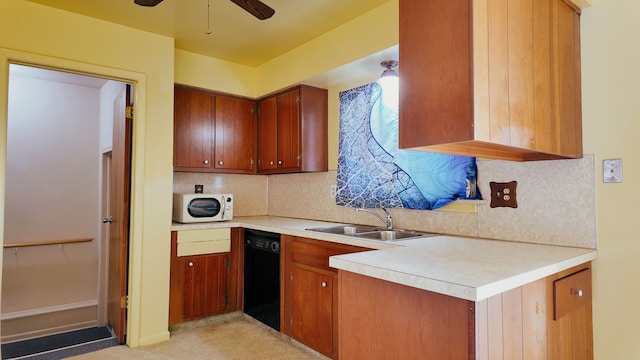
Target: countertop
[464,267]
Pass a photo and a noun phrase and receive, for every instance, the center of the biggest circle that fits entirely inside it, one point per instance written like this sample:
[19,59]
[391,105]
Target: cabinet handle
[324,284]
[279,162]
[578,292]
[220,162]
[205,162]
[271,163]
[190,263]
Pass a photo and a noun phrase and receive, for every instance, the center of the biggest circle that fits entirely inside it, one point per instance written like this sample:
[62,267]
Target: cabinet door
[288,130]
[205,284]
[267,135]
[193,129]
[310,290]
[234,133]
[509,88]
[312,309]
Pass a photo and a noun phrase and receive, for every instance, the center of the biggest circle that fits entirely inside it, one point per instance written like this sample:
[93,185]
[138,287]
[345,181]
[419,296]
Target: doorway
[56,253]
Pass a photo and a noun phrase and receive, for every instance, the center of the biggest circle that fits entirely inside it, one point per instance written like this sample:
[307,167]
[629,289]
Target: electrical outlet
[612,171]
[503,194]
[334,190]
[199,189]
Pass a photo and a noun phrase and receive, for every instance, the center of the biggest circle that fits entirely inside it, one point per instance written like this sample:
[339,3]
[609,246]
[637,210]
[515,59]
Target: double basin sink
[372,232]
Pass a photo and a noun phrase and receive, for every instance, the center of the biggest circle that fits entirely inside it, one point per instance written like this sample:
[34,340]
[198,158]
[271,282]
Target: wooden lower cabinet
[383,320]
[204,285]
[309,292]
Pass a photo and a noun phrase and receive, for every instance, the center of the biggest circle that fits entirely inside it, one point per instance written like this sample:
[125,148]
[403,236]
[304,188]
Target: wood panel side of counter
[512,325]
[519,324]
[383,320]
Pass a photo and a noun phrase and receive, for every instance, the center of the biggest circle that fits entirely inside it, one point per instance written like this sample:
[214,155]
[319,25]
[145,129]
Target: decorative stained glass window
[373,172]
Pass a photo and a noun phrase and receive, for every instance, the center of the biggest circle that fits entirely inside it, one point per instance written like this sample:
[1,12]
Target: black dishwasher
[262,276]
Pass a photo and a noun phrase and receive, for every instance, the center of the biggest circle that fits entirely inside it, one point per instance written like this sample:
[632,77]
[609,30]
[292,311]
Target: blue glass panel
[373,172]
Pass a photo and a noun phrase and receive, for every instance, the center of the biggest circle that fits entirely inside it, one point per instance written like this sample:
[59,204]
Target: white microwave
[191,208]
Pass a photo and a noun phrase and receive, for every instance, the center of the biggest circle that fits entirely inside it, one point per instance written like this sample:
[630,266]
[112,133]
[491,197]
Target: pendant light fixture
[389,78]
[208,32]
[389,82]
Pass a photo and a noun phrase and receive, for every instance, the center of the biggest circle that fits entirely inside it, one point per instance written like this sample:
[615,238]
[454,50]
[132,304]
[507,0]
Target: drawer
[204,241]
[317,253]
[571,292]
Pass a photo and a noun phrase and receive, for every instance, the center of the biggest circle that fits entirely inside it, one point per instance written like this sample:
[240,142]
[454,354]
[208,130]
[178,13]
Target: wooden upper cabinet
[288,131]
[494,79]
[213,132]
[235,133]
[193,129]
[292,131]
[267,135]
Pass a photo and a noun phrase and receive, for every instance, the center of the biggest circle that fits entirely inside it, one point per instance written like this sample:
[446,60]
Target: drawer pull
[576,292]
[324,284]
[190,263]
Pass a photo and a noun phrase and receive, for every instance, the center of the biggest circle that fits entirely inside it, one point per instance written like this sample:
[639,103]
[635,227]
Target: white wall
[108,94]
[52,193]
[52,173]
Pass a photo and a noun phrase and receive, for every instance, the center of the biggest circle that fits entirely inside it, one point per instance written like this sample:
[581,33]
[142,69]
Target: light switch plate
[612,170]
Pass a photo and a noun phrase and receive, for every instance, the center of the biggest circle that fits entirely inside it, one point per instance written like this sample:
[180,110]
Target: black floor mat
[52,342]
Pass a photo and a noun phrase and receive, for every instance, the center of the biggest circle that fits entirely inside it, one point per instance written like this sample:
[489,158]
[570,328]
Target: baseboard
[24,325]
[154,339]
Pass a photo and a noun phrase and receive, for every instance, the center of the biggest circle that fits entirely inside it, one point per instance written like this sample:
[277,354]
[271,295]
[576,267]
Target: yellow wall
[611,117]
[41,35]
[214,74]
[340,46]
[372,32]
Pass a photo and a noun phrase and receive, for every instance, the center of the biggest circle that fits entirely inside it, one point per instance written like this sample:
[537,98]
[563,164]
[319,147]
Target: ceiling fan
[254,7]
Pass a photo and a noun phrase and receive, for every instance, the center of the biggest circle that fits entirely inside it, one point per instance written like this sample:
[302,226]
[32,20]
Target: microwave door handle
[223,205]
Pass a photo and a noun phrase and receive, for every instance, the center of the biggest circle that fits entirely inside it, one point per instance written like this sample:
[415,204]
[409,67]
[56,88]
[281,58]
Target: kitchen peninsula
[483,287]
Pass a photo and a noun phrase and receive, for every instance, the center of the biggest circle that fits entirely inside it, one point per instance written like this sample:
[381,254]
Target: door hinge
[226,300]
[124,302]
[298,99]
[129,112]
[226,262]
[292,276]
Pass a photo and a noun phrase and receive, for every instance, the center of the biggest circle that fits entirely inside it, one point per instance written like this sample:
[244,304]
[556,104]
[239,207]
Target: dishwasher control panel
[263,241]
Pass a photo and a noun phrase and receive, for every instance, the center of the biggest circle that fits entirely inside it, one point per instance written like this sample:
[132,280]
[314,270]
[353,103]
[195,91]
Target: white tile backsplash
[556,201]
[249,191]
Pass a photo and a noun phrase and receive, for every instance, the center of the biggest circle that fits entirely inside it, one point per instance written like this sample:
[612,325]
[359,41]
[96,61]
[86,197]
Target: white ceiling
[236,36]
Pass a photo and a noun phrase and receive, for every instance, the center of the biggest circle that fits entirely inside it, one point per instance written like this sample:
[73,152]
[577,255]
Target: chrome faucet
[388,221]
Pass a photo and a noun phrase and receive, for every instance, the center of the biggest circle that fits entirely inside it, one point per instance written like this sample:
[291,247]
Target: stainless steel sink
[371,232]
[344,229]
[389,235]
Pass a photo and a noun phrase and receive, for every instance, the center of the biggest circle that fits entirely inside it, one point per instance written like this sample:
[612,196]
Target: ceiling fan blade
[147,2]
[255,8]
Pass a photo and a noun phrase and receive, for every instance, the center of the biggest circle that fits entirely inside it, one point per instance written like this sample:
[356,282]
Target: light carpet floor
[238,338]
